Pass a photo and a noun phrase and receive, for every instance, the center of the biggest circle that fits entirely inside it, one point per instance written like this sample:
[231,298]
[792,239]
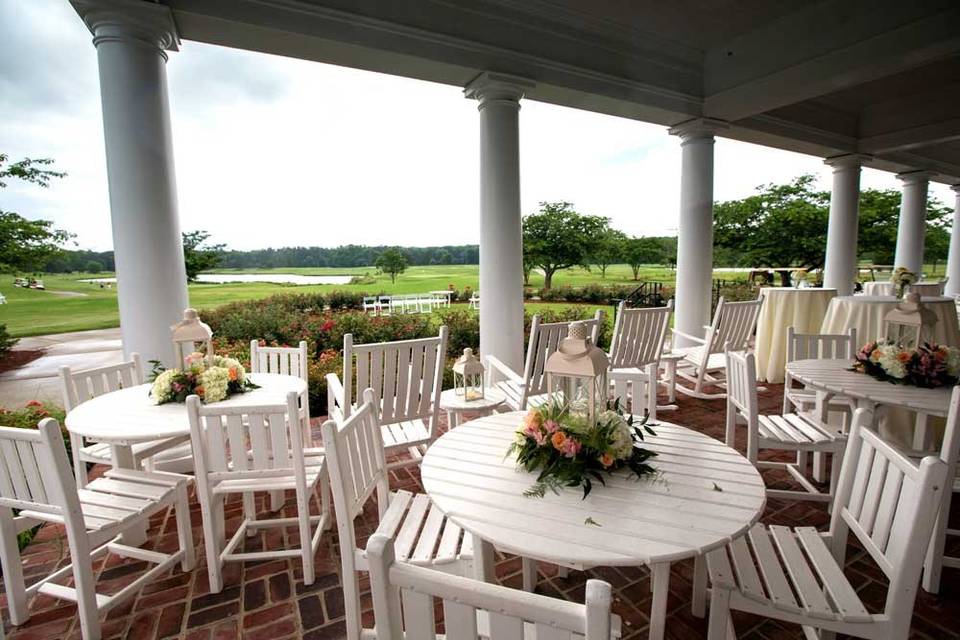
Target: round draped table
[866,314]
[783,307]
[882,288]
[879,288]
[706,494]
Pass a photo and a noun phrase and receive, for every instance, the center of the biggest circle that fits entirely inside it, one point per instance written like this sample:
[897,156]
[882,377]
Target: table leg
[452,419]
[659,586]
[123,459]
[698,606]
[483,560]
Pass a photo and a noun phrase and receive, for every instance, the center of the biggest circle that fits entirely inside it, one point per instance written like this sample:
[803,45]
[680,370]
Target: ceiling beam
[911,138]
[824,48]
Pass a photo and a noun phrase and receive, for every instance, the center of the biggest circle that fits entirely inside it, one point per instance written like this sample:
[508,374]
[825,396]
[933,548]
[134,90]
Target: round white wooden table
[706,494]
[456,405]
[783,307]
[866,314]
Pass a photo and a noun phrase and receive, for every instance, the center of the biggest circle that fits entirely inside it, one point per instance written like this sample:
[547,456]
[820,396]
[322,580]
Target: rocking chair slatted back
[733,325]
[545,338]
[638,335]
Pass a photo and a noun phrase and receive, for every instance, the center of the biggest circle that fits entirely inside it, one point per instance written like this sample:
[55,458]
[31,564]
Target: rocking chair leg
[529,575]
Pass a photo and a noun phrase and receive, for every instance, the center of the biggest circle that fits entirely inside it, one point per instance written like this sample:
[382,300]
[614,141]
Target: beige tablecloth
[802,309]
[883,288]
[866,314]
[880,288]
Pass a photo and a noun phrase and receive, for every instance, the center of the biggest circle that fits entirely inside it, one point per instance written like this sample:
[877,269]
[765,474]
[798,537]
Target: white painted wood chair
[403,605]
[787,432]
[804,346]
[385,304]
[371,305]
[35,480]
[936,558]
[286,361]
[358,469]
[244,450]
[530,389]
[406,377]
[702,365]
[77,387]
[886,500]
[475,300]
[635,350]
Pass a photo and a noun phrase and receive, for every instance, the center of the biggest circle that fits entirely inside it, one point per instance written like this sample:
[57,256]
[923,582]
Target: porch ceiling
[826,78]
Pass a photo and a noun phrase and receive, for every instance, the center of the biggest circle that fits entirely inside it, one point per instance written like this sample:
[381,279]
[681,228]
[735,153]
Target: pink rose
[571,447]
[551,426]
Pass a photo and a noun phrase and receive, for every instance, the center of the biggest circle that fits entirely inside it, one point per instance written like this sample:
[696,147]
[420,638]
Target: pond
[274,278]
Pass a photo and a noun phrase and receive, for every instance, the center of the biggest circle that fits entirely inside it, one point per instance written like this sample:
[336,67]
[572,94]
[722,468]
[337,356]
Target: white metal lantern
[577,372]
[910,324]
[189,332]
[468,376]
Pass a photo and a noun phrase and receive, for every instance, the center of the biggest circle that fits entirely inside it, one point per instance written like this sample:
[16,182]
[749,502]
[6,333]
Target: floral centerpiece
[901,279]
[929,365]
[213,380]
[570,451]
[798,277]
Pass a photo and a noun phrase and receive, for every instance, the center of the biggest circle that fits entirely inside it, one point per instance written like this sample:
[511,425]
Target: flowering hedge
[286,319]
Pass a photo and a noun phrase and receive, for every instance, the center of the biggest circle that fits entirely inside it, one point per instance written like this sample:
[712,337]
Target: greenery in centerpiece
[928,366]
[212,382]
[558,441]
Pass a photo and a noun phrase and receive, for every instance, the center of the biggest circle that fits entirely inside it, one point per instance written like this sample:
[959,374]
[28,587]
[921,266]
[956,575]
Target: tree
[196,256]
[609,250]
[641,251]
[392,262]
[93,266]
[26,245]
[559,238]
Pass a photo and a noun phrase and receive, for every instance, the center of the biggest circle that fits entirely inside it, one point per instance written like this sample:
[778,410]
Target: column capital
[698,128]
[847,161]
[499,88]
[914,177]
[130,21]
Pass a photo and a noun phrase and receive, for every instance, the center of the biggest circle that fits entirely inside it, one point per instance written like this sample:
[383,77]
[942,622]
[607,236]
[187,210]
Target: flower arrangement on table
[797,277]
[901,279]
[213,382]
[928,366]
[560,442]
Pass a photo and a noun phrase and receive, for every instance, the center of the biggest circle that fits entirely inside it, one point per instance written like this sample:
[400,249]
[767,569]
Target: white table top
[492,398]
[131,415]
[676,515]
[836,376]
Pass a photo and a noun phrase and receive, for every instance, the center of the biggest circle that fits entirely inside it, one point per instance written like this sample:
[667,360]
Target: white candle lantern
[468,376]
[910,324]
[189,332]
[577,372]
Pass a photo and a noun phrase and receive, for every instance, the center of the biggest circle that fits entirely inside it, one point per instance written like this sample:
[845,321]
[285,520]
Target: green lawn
[71,305]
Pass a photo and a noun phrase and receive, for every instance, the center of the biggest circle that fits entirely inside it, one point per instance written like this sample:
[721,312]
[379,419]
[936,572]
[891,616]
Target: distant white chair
[385,304]
[403,605]
[406,377]
[787,432]
[358,469]
[635,350]
[475,300]
[701,366]
[3,299]
[244,450]
[77,387]
[530,389]
[887,501]
[371,305]
[35,480]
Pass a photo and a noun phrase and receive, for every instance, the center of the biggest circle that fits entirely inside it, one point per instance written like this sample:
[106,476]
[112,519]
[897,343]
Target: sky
[272,151]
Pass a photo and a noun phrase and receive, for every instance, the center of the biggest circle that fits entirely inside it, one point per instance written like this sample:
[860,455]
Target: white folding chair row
[80,386]
[635,351]
[403,605]
[703,365]
[530,389]
[371,304]
[35,480]
[245,450]
[358,469]
[406,377]
[786,432]
[796,575]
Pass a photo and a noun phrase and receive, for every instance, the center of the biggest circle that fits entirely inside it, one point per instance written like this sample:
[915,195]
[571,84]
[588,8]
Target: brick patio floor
[268,601]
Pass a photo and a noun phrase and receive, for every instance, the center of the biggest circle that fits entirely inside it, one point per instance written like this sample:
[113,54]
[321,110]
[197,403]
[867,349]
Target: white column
[501,242]
[131,40]
[913,221]
[953,258]
[839,271]
[695,235]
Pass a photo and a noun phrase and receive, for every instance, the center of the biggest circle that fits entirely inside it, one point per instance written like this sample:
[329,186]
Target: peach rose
[606,460]
[557,440]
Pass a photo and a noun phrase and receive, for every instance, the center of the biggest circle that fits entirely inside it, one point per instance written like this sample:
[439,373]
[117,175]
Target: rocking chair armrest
[677,332]
[494,363]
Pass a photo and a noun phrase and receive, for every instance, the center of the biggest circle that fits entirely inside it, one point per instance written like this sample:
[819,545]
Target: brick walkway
[267,600]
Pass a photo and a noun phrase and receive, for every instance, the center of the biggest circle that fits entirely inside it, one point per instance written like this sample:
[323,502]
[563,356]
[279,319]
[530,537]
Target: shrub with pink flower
[565,450]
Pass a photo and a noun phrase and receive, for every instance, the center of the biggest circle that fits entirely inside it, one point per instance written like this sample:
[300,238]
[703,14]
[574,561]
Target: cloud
[272,151]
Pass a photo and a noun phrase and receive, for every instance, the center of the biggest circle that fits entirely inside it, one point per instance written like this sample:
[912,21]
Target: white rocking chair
[406,377]
[701,366]
[35,480]
[635,350]
[530,389]
[796,575]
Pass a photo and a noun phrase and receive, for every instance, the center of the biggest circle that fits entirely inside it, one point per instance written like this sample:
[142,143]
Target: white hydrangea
[622,445]
[231,363]
[214,381]
[162,390]
[890,361]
